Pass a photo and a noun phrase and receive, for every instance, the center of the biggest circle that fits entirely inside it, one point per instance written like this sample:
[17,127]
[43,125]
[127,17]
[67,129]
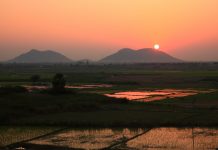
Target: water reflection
[87,86]
[31,88]
[173,138]
[147,96]
[88,138]
[157,138]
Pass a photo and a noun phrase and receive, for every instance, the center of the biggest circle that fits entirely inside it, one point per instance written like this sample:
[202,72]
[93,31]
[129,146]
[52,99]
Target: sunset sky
[187,29]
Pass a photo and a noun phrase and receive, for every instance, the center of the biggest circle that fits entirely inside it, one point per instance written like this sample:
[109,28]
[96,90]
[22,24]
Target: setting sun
[144,72]
[156,46]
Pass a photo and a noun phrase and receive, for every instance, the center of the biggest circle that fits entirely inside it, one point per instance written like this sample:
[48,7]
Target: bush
[58,83]
[35,78]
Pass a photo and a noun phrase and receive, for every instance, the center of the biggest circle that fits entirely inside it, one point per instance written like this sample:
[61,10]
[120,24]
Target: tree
[35,78]
[58,83]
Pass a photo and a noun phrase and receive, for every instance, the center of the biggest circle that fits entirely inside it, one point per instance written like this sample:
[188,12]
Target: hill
[36,56]
[146,55]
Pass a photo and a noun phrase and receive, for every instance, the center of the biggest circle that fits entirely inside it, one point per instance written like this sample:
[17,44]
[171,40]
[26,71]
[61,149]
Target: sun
[156,46]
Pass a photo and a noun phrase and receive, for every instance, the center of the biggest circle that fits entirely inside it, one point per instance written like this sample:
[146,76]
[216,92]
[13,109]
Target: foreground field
[89,109]
[122,138]
[187,75]
[9,135]
[158,138]
[24,114]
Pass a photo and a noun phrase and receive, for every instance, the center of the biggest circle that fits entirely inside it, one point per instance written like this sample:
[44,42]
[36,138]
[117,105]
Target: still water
[147,96]
[31,88]
[156,138]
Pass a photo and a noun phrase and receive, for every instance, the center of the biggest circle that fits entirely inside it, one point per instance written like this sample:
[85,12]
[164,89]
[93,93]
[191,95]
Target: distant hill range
[36,56]
[146,55]
[126,55]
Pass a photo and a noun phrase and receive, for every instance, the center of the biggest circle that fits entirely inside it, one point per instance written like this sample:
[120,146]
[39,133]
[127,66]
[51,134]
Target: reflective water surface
[85,86]
[88,138]
[173,138]
[147,96]
[157,138]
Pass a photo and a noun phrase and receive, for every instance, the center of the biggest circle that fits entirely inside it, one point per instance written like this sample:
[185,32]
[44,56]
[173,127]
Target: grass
[146,75]
[89,108]
[202,100]
[109,119]
[22,105]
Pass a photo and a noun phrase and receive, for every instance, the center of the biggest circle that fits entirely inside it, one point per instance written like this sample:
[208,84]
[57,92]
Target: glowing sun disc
[156,46]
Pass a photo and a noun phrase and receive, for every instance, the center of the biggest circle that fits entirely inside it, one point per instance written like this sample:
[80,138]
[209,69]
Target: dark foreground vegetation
[88,107]
[181,75]
[94,110]
[59,108]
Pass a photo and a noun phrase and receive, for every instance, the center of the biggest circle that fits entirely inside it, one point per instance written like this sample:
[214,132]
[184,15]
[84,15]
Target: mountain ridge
[144,55]
[38,56]
[124,55]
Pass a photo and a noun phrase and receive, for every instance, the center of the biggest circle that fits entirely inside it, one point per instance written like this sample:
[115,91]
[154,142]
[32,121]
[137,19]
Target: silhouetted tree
[58,83]
[35,78]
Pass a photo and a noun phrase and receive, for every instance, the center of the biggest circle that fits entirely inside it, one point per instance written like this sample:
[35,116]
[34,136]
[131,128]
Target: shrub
[58,83]
[35,78]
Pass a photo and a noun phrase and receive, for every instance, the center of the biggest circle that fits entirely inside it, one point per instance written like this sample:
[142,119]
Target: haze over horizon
[82,29]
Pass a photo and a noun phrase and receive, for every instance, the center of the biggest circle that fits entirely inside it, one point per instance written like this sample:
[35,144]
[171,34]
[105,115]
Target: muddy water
[157,138]
[147,96]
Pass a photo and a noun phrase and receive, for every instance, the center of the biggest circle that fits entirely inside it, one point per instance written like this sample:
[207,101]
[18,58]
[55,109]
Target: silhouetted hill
[36,56]
[146,55]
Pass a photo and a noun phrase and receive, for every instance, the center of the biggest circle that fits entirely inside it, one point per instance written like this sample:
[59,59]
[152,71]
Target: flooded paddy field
[147,96]
[13,134]
[31,88]
[128,138]
[176,138]
[136,97]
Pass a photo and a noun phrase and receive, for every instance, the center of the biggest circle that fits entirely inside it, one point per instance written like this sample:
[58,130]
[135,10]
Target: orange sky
[95,28]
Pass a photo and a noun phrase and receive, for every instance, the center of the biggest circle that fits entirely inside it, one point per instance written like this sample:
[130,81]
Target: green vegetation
[28,105]
[34,79]
[141,75]
[90,108]
[202,100]
[58,83]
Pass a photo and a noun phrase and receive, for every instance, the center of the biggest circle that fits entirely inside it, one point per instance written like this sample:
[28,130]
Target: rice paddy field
[141,106]
[9,135]
[126,138]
